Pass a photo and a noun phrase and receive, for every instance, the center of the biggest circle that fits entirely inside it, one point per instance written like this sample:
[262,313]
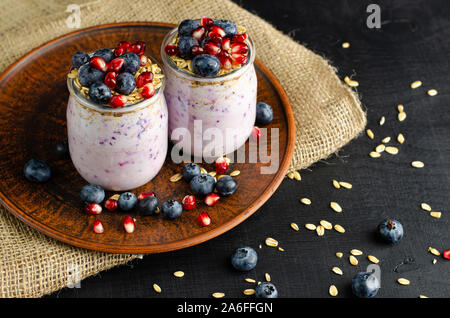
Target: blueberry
[202,184]
[191,170]
[79,58]
[62,148]
[185,45]
[105,54]
[125,83]
[148,205]
[92,193]
[186,27]
[99,93]
[365,285]
[37,170]
[226,186]
[89,75]
[266,290]
[229,26]
[206,65]
[244,258]
[131,63]
[127,201]
[391,230]
[264,113]
[171,209]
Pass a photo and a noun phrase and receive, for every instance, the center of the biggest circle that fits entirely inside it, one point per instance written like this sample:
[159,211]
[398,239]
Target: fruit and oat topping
[118,77]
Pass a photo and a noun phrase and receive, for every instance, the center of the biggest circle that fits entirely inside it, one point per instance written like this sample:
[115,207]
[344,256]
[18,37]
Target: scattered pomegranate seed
[446,254]
[119,51]
[206,22]
[148,91]
[144,60]
[128,224]
[189,202]
[98,227]
[215,37]
[146,194]
[98,63]
[256,134]
[137,47]
[198,50]
[212,48]
[93,208]
[144,78]
[239,58]
[171,49]
[124,44]
[111,205]
[221,165]
[117,101]
[110,79]
[199,33]
[204,219]
[226,44]
[239,48]
[217,29]
[116,64]
[211,199]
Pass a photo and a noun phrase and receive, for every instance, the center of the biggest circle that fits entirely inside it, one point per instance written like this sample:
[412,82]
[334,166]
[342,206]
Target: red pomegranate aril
[119,51]
[256,134]
[221,165]
[110,79]
[124,44]
[111,205]
[239,58]
[189,202]
[212,199]
[144,78]
[128,224]
[146,194]
[239,48]
[137,47]
[446,254]
[226,44]
[148,91]
[98,227]
[171,49]
[198,50]
[240,37]
[217,29]
[215,37]
[199,33]
[206,22]
[117,101]
[116,64]
[98,63]
[93,208]
[144,59]
[212,48]
[226,62]
[204,219]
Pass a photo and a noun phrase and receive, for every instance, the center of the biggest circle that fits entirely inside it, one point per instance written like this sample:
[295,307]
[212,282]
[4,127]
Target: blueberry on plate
[266,290]
[171,209]
[391,230]
[229,26]
[365,285]
[202,184]
[131,63]
[148,205]
[79,58]
[187,26]
[92,193]
[37,170]
[105,54]
[206,65]
[89,75]
[244,258]
[125,83]
[127,201]
[99,93]
[191,170]
[185,45]
[226,186]
[264,113]
[62,148]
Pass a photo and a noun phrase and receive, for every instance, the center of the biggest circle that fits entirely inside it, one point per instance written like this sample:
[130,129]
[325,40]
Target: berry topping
[127,201]
[206,65]
[446,254]
[228,26]
[266,290]
[256,134]
[226,62]
[391,230]
[106,54]
[144,60]
[365,285]
[137,47]
[240,37]
[226,186]
[212,48]
[189,202]
[111,205]
[37,170]
[99,93]
[124,44]
[191,170]
[148,91]
[131,64]
[119,51]
[204,219]
[212,199]
[199,33]
[92,193]
[226,44]
[171,209]
[240,48]
[117,101]
[171,49]
[148,205]
[88,75]
[185,45]
[207,22]
[202,184]
[110,80]
[144,78]
[239,58]
[221,165]
[264,113]
[79,58]
[116,64]
[93,208]
[128,224]
[198,50]
[62,148]
[145,194]
[244,259]
[186,27]
[98,227]
[218,31]
[125,83]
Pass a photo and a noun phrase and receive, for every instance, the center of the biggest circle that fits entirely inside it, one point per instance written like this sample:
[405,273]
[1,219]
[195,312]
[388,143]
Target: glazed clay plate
[32,115]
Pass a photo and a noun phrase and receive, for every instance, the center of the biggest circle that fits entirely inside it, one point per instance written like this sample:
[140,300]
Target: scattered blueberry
[229,26]
[185,45]
[92,193]
[148,205]
[171,209]
[202,184]
[186,27]
[105,54]
[264,113]
[226,186]
[244,258]
[131,63]
[127,201]
[266,290]
[206,65]
[99,93]
[125,83]
[191,170]
[391,230]
[37,170]
[79,58]
[89,75]
[365,285]
[62,148]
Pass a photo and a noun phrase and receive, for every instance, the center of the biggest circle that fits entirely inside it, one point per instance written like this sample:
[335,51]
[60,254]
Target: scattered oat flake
[416,84]
[339,255]
[400,138]
[391,150]
[157,288]
[327,225]
[382,120]
[385,140]
[353,260]
[271,242]
[403,281]
[218,295]
[290,175]
[346,185]
[212,173]
[434,261]
[370,133]
[400,108]
[294,226]
[235,173]
[176,177]
[336,184]
[280,249]
[375,154]
[434,251]
[297,176]
[380,148]
[333,291]
[345,45]
[337,270]
[178,274]
[320,230]
[422,296]
[417,164]
[336,207]
[351,82]
[436,215]
[373,259]
[356,252]
[432,92]
[401,116]
[425,206]
[339,228]
[250,280]
[305,201]
[310,226]
[250,291]
[203,170]
[267,276]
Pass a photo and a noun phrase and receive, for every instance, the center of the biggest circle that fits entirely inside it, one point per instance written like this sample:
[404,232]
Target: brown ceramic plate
[32,115]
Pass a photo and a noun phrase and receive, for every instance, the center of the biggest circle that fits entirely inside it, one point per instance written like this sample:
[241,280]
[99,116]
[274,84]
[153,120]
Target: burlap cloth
[327,115]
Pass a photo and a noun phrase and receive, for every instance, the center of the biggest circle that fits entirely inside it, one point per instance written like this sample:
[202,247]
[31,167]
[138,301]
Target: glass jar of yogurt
[201,108]
[117,148]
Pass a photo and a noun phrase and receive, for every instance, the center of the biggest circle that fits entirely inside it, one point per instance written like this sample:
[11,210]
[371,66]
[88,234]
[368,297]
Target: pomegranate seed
[110,79]
[111,205]
[198,50]
[256,134]
[199,33]
[117,101]
[239,48]
[146,194]
[171,49]
[221,165]
[93,208]
[240,37]
[144,60]
[137,47]
[148,91]
[98,227]
[225,62]
[215,37]
[223,54]
[446,254]
[119,51]
[206,22]
[116,64]
[217,29]
[239,58]
[144,78]
[211,199]
[226,44]
[188,202]
[204,219]
[212,48]
[98,63]
[128,224]
[124,44]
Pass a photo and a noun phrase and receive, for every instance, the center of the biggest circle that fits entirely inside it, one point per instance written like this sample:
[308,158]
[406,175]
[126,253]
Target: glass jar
[210,112]
[117,148]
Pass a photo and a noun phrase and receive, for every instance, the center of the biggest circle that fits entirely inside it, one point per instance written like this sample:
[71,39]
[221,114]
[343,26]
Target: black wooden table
[413,43]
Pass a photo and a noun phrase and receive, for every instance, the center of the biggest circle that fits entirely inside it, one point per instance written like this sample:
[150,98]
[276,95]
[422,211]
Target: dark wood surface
[32,121]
